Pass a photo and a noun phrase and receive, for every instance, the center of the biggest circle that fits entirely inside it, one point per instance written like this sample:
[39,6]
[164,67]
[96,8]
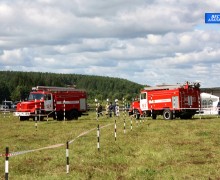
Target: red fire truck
[170,101]
[57,102]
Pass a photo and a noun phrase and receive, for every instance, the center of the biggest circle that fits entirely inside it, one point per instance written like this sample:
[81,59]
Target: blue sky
[148,42]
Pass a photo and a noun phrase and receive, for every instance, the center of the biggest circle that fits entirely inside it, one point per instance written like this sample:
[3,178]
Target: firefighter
[218,107]
[99,110]
[116,109]
[110,109]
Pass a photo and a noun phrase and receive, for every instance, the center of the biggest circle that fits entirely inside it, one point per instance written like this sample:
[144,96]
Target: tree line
[16,85]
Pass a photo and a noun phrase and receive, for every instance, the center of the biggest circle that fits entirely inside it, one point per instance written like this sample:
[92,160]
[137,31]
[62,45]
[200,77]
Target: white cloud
[5,11]
[149,42]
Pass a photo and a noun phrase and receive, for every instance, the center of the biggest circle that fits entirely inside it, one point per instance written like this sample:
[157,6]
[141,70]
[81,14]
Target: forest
[15,86]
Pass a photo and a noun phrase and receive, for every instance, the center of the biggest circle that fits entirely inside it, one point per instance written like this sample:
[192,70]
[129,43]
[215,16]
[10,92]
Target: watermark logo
[212,17]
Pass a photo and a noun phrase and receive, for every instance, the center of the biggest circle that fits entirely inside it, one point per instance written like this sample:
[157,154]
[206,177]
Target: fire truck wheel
[154,116]
[60,116]
[73,115]
[167,114]
[23,118]
[41,118]
[137,114]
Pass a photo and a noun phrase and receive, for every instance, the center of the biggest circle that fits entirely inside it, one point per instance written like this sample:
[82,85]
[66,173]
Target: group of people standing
[110,109]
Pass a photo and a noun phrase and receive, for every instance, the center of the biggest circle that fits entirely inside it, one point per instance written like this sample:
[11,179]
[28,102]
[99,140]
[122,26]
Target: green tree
[20,93]
[4,91]
[17,85]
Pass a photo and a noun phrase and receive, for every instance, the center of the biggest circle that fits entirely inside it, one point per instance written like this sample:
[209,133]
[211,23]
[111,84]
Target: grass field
[154,149]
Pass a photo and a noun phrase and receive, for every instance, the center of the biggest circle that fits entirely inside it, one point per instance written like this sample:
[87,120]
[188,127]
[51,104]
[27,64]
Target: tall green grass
[155,149]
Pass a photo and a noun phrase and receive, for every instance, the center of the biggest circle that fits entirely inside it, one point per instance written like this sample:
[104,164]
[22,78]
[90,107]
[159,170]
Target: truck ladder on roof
[163,87]
[169,87]
[52,88]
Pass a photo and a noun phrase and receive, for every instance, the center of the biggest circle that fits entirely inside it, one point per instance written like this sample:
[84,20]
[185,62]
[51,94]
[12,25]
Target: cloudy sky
[145,41]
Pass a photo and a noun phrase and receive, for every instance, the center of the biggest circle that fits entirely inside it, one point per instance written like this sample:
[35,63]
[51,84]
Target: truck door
[82,104]
[175,102]
[48,102]
[143,101]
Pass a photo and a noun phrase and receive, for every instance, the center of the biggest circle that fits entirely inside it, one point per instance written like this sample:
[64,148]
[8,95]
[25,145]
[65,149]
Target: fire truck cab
[57,102]
[170,101]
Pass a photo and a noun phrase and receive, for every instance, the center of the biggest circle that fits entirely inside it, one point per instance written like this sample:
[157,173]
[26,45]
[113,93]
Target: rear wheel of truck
[60,116]
[167,114]
[40,118]
[154,116]
[73,115]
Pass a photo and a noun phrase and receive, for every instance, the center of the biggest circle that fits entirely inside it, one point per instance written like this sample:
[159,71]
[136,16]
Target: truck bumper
[21,114]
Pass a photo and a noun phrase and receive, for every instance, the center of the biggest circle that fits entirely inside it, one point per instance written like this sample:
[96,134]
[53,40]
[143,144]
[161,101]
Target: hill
[17,85]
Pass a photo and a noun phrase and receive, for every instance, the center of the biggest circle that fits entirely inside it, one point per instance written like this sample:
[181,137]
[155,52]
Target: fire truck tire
[154,116]
[73,115]
[136,114]
[41,118]
[23,118]
[167,114]
[60,116]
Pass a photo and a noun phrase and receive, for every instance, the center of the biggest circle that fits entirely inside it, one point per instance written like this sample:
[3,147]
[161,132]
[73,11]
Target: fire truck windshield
[35,96]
